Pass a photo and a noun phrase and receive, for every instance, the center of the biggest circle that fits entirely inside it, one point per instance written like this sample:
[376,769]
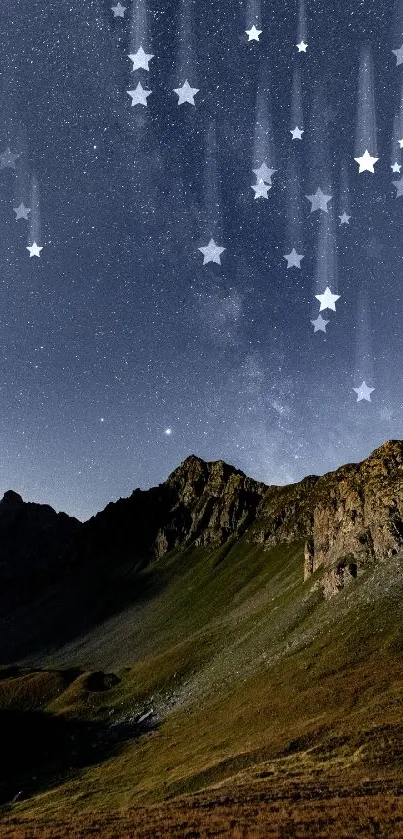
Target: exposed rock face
[350,517]
[199,504]
[359,518]
[214,501]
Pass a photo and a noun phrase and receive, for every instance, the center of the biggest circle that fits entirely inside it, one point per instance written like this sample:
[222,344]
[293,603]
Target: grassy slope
[251,676]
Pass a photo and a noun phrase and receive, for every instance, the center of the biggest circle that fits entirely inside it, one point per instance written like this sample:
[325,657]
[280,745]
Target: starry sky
[121,353]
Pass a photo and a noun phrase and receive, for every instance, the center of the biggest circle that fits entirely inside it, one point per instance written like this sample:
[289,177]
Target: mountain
[205,657]
[33,538]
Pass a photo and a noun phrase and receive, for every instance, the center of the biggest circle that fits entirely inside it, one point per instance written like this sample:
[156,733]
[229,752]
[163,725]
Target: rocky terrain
[184,646]
[348,518]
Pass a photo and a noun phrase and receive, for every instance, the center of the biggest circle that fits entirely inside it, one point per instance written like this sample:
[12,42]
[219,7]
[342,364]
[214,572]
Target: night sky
[121,353]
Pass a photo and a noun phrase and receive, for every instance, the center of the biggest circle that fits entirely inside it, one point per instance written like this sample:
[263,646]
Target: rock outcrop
[349,518]
[213,502]
[358,517]
[199,504]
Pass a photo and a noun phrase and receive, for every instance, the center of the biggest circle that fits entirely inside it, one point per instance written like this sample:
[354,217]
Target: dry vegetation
[304,810]
[275,713]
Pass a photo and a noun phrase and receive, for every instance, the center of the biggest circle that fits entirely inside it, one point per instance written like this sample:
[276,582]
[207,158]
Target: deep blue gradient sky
[118,332]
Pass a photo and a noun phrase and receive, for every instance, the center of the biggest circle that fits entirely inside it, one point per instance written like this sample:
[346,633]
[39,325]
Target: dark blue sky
[118,332]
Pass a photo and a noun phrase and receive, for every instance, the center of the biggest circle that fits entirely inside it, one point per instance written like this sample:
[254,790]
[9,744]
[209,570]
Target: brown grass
[259,811]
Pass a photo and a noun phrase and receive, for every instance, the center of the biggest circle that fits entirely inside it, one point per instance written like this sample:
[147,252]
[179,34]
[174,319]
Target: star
[293,259]
[22,211]
[396,167]
[302,46]
[140,59]
[186,93]
[8,158]
[297,133]
[168,432]
[399,187]
[264,173]
[119,10]
[320,324]
[34,249]
[399,55]
[344,219]
[261,189]
[139,96]
[253,34]
[401,144]
[363,392]
[366,162]
[319,201]
[327,300]
[212,252]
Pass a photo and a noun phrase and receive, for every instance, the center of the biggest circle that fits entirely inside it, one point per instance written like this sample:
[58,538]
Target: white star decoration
[319,201]
[140,59]
[344,219]
[363,392]
[399,55]
[34,249]
[320,324]
[396,167]
[297,133]
[139,95]
[8,158]
[186,93]
[366,162]
[118,10]
[293,259]
[264,173]
[261,189]
[253,33]
[399,187]
[302,46]
[211,252]
[327,300]
[21,211]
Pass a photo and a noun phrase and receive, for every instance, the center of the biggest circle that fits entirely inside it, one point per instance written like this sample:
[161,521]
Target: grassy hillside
[255,694]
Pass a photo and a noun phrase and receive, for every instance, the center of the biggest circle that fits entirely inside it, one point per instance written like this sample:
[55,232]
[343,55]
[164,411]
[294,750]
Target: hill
[214,657]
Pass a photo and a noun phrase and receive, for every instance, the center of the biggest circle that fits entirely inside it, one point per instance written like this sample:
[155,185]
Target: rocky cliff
[349,518]
[199,504]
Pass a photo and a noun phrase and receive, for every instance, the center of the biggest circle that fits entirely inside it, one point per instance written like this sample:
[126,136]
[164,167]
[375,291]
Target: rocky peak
[213,501]
[11,497]
[347,518]
[200,503]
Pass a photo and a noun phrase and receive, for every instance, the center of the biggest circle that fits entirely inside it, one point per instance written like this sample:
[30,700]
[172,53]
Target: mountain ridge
[203,502]
[176,648]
